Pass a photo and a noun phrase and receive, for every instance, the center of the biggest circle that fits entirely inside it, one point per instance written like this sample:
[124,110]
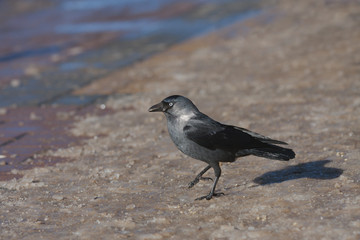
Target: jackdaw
[200,137]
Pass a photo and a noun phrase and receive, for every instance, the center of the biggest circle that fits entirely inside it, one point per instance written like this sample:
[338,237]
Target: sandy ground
[291,73]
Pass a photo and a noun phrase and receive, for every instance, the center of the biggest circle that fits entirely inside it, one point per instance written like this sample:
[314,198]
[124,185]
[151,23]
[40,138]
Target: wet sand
[74,44]
[291,73]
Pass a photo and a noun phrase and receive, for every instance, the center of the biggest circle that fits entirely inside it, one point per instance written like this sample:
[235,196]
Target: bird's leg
[212,193]
[200,177]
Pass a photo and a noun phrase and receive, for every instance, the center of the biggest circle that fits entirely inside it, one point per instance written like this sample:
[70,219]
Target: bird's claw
[210,195]
[196,180]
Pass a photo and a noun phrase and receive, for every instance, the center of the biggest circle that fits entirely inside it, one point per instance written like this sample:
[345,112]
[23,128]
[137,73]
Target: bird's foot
[210,195]
[196,180]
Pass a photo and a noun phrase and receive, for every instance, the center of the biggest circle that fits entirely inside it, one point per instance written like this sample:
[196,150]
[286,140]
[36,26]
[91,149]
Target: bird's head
[175,106]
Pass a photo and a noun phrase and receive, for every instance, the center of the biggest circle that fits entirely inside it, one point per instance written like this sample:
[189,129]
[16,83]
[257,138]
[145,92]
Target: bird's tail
[273,152]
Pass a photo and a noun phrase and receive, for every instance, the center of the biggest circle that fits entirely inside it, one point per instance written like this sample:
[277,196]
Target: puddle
[50,48]
[142,27]
[30,53]
[69,66]
[44,34]
[135,6]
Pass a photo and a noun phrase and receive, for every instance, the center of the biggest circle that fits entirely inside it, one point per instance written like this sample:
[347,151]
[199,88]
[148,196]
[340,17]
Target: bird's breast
[176,133]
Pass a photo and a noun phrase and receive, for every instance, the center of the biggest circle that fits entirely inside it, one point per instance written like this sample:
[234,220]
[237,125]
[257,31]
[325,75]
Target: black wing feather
[261,137]
[215,135]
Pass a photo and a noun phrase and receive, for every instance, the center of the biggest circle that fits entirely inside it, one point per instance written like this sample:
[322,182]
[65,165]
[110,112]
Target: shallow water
[51,48]
[37,36]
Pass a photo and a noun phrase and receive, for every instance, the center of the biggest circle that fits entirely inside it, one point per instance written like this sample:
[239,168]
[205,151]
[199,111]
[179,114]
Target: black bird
[200,137]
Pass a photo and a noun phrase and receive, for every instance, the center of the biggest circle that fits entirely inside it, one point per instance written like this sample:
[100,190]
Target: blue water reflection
[54,46]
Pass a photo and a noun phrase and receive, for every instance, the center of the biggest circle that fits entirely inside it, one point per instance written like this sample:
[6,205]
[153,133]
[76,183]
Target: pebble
[127,223]
[15,83]
[75,51]
[130,206]
[227,228]
[150,236]
[58,197]
[3,163]
[33,116]
[32,71]
[3,111]
[340,154]
[160,220]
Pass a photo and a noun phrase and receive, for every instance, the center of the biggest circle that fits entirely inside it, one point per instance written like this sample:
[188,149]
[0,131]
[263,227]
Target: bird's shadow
[315,170]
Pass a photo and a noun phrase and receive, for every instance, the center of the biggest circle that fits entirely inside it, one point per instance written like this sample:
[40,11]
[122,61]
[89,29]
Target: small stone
[33,116]
[15,83]
[3,163]
[340,154]
[32,71]
[28,161]
[127,223]
[227,228]
[40,221]
[3,111]
[343,178]
[217,219]
[130,206]
[159,220]
[150,236]
[75,51]
[58,197]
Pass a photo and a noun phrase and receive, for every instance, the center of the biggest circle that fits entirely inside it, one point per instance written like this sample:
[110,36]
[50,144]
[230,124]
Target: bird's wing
[261,137]
[214,135]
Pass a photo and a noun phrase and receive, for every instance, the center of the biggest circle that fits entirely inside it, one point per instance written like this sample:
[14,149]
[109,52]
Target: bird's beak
[157,107]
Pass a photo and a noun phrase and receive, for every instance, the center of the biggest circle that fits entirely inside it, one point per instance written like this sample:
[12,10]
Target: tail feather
[273,152]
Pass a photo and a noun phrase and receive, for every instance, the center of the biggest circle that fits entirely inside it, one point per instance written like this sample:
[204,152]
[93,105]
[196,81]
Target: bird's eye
[171,104]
